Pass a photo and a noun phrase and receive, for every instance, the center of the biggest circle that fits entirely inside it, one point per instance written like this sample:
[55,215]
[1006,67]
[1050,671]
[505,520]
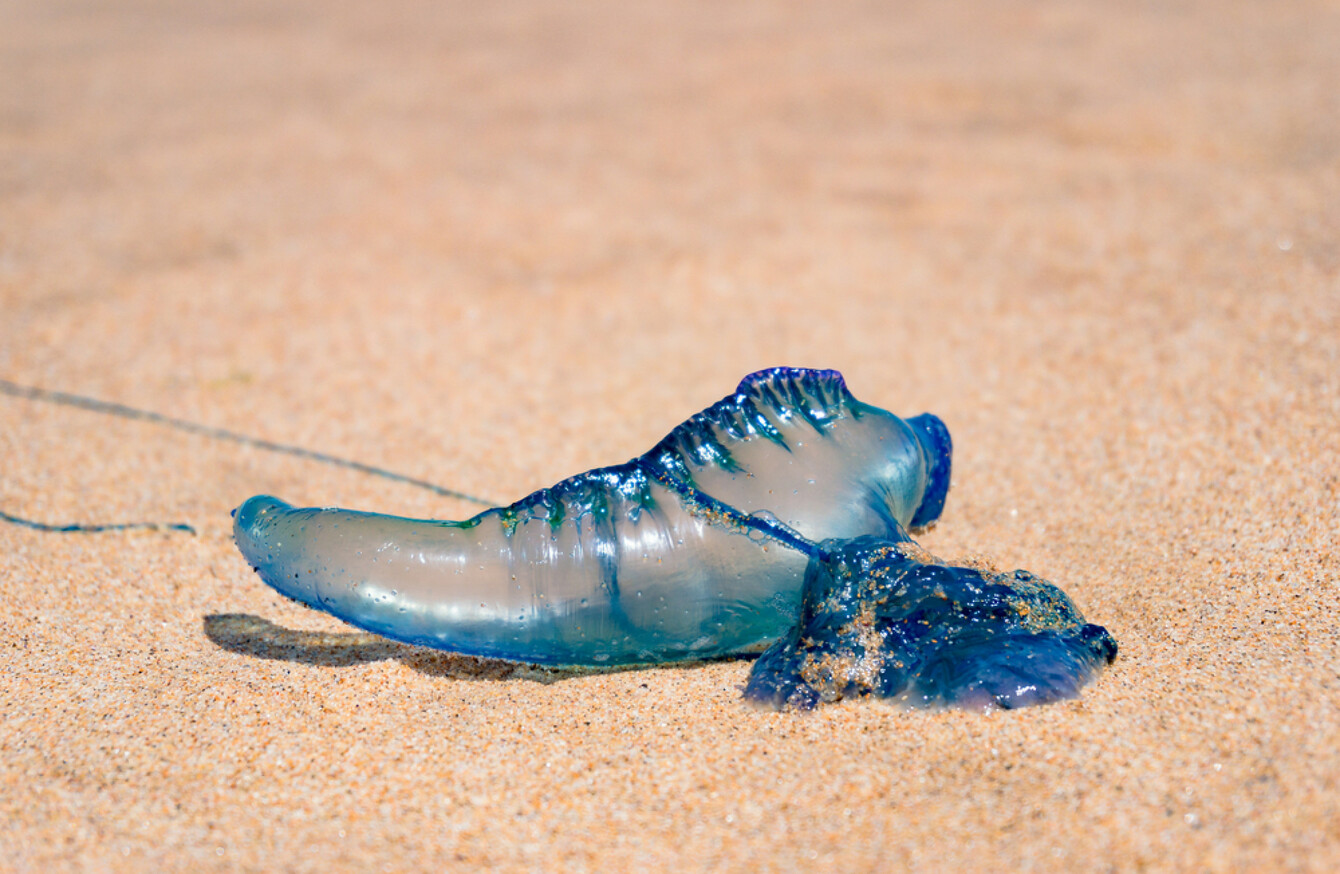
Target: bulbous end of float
[938,449]
[257,530]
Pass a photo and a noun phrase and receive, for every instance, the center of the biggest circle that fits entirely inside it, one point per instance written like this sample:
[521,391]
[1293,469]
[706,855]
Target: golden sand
[492,245]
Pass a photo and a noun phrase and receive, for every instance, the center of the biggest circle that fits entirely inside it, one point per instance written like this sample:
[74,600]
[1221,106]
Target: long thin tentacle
[109,408]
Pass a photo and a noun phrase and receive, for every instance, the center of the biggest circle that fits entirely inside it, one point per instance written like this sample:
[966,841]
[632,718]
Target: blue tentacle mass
[701,547]
[887,619]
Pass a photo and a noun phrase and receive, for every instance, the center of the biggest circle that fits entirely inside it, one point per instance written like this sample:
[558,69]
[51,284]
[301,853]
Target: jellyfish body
[695,549]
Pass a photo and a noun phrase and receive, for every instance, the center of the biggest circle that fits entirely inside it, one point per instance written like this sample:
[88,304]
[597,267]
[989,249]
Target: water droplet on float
[756,534]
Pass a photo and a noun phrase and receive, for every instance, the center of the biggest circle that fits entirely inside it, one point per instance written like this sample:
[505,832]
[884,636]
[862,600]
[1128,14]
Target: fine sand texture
[491,245]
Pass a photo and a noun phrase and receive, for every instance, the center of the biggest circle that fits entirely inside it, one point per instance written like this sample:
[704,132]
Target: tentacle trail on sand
[122,411]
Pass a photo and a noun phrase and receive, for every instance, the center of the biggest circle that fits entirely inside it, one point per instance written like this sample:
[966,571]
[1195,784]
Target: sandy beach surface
[492,245]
